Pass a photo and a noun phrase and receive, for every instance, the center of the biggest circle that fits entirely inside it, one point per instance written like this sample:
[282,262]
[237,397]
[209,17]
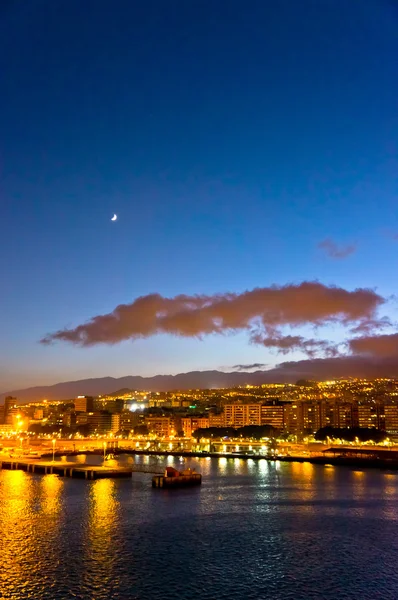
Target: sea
[253,530]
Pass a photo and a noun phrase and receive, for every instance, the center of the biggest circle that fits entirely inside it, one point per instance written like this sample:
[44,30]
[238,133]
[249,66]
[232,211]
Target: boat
[174,478]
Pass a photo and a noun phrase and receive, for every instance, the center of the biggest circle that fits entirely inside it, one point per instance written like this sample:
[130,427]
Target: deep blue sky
[229,137]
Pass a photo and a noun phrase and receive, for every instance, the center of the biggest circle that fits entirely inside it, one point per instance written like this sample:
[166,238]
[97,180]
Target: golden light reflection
[51,486]
[103,514]
[17,525]
[304,470]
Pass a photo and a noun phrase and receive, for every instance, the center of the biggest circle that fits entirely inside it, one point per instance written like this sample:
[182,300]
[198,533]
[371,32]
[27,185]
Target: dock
[66,469]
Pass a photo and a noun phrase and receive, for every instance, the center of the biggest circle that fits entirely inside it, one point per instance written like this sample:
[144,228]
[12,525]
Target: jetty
[173,478]
[66,469]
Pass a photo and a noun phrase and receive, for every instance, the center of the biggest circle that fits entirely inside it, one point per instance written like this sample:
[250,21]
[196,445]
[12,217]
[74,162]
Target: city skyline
[242,149]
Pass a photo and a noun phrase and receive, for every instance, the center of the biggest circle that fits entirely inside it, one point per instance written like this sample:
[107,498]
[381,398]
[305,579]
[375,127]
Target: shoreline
[371,463]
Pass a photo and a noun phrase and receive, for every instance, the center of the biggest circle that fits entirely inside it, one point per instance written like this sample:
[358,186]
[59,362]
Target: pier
[66,469]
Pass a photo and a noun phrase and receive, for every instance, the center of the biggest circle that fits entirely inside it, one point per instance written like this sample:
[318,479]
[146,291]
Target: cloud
[249,367]
[371,325]
[333,368]
[377,345]
[262,312]
[288,343]
[334,251]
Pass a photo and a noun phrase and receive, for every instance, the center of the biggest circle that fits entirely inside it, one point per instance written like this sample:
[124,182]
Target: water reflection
[103,513]
[51,486]
[17,518]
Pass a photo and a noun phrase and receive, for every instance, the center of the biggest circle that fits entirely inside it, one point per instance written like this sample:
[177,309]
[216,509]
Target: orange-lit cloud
[376,345]
[262,312]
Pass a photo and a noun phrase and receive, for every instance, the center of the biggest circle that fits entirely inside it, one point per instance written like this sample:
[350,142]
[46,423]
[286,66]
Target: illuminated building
[84,404]
[9,404]
[239,415]
[292,416]
[273,413]
[391,417]
[99,422]
[191,424]
[311,416]
[112,405]
[368,415]
[115,422]
[216,420]
[161,426]
[38,414]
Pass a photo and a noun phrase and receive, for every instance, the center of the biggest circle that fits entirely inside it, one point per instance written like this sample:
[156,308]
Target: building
[391,418]
[112,405]
[130,419]
[9,404]
[293,418]
[4,429]
[311,416]
[69,418]
[84,404]
[329,416]
[115,422]
[368,415]
[346,415]
[38,414]
[99,422]
[191,424]
[81,418]
[273,413]
[240,415]
[160,426]
[216,420]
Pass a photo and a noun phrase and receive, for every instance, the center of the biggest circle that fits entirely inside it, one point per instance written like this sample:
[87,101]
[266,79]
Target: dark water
[253,530]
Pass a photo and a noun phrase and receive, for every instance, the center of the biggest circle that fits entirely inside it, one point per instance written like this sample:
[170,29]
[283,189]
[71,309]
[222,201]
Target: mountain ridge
[107,385]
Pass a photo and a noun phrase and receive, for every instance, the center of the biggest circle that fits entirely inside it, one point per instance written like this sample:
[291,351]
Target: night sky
[241,144]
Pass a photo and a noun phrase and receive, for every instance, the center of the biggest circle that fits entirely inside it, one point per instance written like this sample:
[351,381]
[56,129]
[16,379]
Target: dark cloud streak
[334,251]
[258,366]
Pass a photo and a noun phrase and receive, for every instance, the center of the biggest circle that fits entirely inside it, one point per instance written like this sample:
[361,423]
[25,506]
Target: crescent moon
[114,217]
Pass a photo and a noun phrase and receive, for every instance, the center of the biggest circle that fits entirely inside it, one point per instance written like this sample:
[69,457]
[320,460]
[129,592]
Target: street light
[53,442]
[104,450]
